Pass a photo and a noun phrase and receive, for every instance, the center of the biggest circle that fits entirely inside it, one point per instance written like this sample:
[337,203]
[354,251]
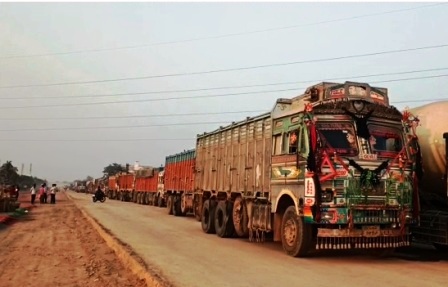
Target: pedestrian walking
[53,194]
[33,194]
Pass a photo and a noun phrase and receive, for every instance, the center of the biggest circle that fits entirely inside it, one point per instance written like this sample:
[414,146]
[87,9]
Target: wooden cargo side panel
[242,159]
[215,162]
[212,176]
[199,165]
[228,160]
[190,171]
[235,159]
[249,146]
[221,162]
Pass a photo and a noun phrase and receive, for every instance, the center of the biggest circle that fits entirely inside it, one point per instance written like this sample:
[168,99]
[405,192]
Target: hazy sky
[156,53]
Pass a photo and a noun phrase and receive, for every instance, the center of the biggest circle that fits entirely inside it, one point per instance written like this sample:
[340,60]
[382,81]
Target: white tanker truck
[433,139]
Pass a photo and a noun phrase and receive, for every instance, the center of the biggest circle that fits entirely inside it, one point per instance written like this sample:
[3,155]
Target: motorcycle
[101,199]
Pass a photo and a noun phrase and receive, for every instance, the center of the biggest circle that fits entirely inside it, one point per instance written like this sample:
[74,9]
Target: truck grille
[375,216]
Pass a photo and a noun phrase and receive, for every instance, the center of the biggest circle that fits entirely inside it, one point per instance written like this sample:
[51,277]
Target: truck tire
[160,201]
[183,205]
[208,217]
[441,247]
[197,208]
[223,219]
[169,204]
[176,206]
[296,235]
[154,200]
[240,217]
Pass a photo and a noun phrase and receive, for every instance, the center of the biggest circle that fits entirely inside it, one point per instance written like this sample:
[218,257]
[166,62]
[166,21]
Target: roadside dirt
[54,245]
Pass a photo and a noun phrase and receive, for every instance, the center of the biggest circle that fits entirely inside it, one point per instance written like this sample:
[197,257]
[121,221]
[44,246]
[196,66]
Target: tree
[8,173]
[113,169]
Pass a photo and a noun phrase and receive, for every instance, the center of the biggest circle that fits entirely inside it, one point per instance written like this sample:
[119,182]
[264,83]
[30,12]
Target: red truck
[178,189]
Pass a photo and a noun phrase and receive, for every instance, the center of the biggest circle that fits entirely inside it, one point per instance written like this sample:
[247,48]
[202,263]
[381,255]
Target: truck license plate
[371,231]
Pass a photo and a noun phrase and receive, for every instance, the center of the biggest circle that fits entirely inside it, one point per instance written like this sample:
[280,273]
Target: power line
[200,97]
[165,125]
[143,100]
[112,127]
[233,69]
[228,87]
[136,116]
[421,100]
[94,140]
[220,36]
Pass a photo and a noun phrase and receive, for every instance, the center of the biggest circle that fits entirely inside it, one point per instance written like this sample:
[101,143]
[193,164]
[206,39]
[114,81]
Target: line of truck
[337,167]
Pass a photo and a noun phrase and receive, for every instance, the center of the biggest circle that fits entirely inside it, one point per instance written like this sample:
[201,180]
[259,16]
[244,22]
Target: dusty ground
[54,245]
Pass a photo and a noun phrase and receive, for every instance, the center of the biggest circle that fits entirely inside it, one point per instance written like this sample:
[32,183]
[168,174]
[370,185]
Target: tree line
[9,176]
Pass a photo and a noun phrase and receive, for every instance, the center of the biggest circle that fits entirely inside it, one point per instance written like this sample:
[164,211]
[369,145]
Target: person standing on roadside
[53,194]
[33,193]
[43,193]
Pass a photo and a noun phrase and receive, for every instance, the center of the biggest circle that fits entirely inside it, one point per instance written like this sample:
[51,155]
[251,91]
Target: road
[178,250]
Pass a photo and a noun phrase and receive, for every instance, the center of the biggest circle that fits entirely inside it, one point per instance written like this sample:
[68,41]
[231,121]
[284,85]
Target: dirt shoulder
[54,245]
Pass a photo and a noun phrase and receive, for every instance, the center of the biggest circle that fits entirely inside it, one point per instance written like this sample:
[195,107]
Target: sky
[84,85]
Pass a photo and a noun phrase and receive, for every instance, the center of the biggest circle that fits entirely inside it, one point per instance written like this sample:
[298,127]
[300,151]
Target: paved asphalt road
[177,248]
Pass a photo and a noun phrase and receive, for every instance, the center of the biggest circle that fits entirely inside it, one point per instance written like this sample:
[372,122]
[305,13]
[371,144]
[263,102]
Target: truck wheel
[296,235]
[183,205]
[176,206]
[208,217]
[441,247]
[223,219]
[240,218]
[197,208]
[160,201]
[169,204]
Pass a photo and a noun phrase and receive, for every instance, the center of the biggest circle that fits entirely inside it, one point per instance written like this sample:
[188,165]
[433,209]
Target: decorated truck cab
[356,169]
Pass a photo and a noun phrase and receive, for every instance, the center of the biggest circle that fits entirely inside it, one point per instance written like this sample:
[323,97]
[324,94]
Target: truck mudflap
[371,236]
[433,227]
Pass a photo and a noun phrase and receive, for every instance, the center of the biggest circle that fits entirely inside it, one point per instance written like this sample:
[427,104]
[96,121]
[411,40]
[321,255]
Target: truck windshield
[386,142]
[338,136]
